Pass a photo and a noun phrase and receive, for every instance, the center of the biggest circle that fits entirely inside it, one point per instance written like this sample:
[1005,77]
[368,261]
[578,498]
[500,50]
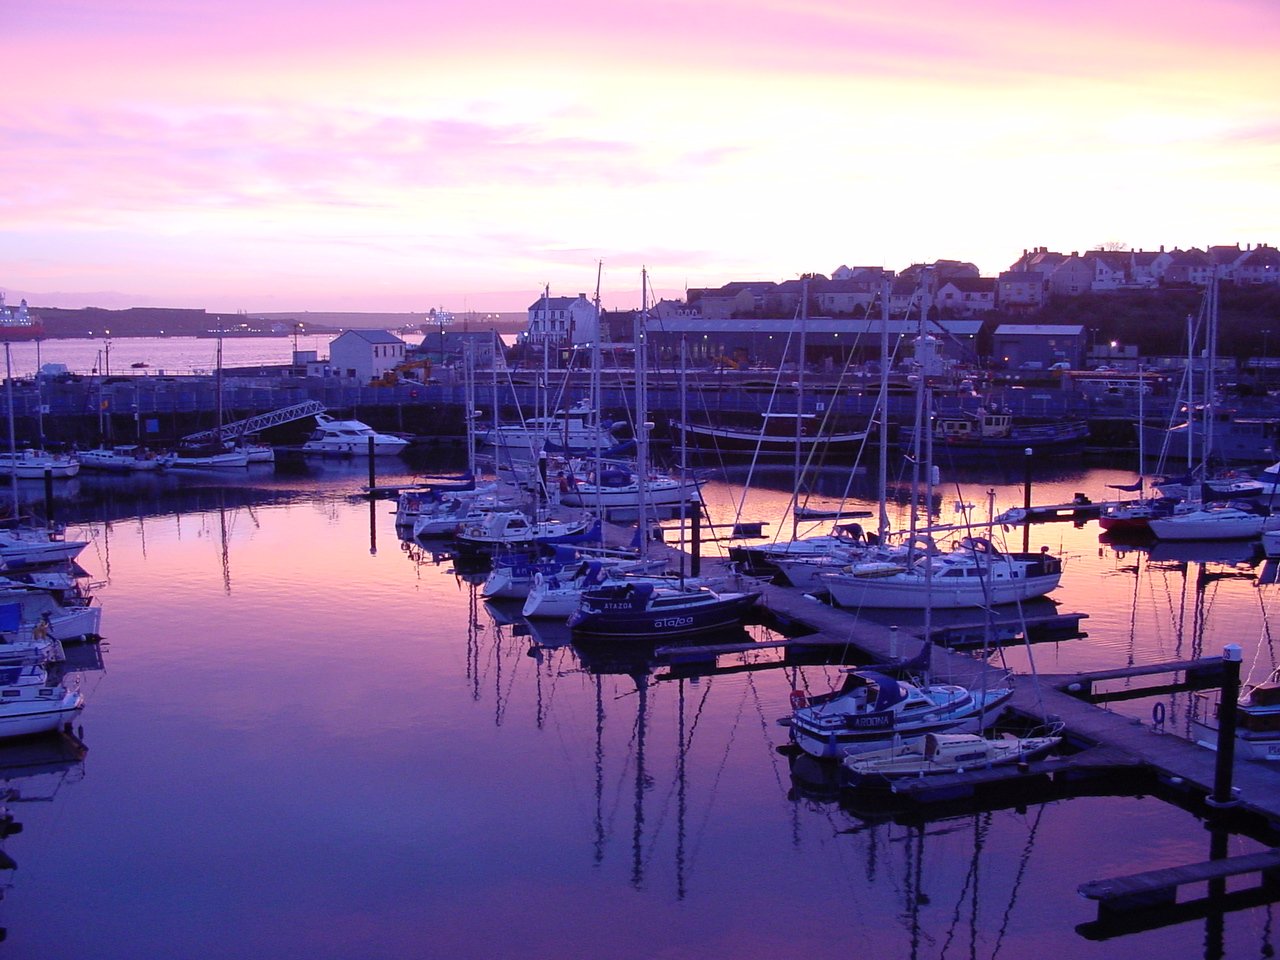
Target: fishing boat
[991,431]
[974,574]
[646,611]
[122,458]
[937,753]
[1257,719]
[27,709]
[871,709]
[350,438]
[37,464]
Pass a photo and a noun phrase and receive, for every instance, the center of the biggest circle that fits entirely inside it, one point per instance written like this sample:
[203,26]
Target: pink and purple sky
[403,154]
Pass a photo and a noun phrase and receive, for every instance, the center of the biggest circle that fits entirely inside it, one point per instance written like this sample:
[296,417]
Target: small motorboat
[1257,719]
[936,753]
[27,708]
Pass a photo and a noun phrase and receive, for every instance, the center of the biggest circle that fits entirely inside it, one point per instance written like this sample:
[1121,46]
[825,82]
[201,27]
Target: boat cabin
[983,425]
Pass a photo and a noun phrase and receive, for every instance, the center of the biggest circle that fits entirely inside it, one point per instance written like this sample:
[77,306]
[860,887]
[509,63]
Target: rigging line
[1023,862]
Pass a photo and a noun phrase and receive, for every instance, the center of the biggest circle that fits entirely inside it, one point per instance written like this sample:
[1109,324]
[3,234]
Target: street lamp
[107,362]
[1265,333]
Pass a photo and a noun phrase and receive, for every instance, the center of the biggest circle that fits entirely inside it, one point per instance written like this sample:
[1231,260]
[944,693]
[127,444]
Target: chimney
[1162,248]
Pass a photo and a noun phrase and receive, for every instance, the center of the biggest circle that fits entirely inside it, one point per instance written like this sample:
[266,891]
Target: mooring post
[1026,501]
[373,479]
[1222,794]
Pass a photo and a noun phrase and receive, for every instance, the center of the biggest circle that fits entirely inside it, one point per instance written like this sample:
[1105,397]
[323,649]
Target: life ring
[537,580]
[798,700]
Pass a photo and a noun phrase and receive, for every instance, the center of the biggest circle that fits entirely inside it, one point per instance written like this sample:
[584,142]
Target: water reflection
[33,773]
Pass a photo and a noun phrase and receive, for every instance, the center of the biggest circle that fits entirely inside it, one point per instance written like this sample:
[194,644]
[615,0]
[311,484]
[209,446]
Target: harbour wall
[84,410]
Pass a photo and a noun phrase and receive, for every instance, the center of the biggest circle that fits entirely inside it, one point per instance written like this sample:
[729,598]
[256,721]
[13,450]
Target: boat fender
[798,700]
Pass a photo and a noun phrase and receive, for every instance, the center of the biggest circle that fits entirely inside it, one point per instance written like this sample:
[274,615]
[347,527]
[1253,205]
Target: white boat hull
[24,718]
[1244,527]
[903,592]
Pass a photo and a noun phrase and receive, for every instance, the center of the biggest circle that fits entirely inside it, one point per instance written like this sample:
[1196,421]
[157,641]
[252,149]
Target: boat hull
[910,593]
[25,718]
[859,734]
[623,623]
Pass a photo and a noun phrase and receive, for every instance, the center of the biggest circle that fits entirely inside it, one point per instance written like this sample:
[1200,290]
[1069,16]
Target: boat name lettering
[674,622]
[881,721]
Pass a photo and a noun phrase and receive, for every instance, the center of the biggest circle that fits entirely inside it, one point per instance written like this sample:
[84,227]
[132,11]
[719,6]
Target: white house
[561,321]
[365,354]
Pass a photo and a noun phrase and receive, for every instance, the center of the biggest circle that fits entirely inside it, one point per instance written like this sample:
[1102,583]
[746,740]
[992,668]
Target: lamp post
[442,318]
[107,362]
[1265,334]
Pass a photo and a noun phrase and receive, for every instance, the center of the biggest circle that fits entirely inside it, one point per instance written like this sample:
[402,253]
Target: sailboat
[625,610]
[216,453]
[871,709]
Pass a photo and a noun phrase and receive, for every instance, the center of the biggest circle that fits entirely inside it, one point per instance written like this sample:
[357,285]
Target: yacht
[27,709]
[974,574]
[350,438]
[37,464]
[576,429]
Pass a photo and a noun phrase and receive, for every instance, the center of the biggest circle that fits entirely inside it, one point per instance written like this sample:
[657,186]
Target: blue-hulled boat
[645,611]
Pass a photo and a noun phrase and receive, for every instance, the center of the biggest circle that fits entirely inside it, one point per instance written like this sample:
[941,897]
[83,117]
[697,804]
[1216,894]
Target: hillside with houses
[1073,309]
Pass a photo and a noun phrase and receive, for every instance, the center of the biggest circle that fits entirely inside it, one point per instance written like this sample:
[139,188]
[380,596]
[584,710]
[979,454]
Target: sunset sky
[405,154]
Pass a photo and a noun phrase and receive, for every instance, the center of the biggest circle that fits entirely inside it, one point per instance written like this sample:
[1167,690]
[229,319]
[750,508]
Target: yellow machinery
[399,372]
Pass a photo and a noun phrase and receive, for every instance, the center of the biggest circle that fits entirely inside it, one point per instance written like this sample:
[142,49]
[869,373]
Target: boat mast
[13,443]
[642,408]
[1191,392]
[1211,349]
[217,430]
[882,478]
[469,371]
[594,390]
[804,318]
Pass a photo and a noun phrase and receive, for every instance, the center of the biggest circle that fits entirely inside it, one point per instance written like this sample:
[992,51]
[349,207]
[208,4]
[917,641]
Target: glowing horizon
[394,156]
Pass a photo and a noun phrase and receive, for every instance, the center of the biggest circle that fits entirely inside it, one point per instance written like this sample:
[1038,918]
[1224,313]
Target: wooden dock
[1119,742]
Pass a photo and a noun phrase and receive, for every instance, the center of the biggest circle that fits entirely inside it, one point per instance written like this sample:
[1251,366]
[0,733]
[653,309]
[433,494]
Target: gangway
[298,411]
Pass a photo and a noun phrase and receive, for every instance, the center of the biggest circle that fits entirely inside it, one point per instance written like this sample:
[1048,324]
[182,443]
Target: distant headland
[90,322]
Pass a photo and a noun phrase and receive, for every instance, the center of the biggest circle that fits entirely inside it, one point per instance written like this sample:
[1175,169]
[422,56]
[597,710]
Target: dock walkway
[1126,742]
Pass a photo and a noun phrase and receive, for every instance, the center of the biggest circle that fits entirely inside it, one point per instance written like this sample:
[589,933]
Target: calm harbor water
[312,740]
[162,355]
